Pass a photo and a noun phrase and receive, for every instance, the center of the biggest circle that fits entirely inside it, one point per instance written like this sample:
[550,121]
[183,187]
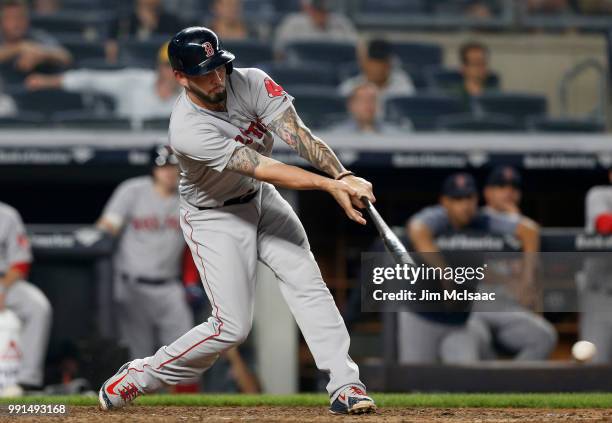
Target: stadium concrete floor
[320,414]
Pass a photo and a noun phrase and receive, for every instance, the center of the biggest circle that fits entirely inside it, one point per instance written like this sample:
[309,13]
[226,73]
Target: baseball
[583,351]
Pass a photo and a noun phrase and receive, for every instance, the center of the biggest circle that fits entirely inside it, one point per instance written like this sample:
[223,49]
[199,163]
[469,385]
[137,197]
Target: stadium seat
[73,24]
[291,75]
[48,101]
[470,123]
[422,110]
[319,107]
[87,120]
[418,55]
[330,52]
[565,125]
[160,124]
[393,7]
[519,106]
[22,121]
[249,52]
[445,79]
[82,50]
[141,53]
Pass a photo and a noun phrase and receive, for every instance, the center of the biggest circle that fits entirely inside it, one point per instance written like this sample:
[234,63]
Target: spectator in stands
[595,7]
[474,58]
[24,50]
[478,9]
[595,294]
[454,336]
[363,106]
[138,93]
[377,67]
[227,20]
[317,23]
[148,19]
[46,7]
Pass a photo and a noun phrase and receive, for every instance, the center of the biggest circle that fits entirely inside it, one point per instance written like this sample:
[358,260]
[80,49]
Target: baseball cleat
[117,391]
[352,400]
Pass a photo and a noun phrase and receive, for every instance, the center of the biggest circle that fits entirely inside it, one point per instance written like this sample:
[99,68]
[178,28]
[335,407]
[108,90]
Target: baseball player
[458,337]
[595,294]
[150,299]
[24,299]
[222,130]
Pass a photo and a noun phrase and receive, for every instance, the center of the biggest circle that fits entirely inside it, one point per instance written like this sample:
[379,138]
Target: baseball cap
[503,176]
[459,185]
[379,49]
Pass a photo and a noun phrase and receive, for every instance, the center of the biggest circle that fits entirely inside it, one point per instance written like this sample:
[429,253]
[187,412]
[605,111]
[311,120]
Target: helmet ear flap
[229,67]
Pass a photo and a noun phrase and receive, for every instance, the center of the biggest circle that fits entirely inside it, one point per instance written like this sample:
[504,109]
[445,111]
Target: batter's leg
[33,309]
[283,246]
[223,244]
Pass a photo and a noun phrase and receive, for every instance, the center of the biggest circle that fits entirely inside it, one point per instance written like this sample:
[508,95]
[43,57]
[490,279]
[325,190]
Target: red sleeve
[603,224]
[23,267]
[190,271]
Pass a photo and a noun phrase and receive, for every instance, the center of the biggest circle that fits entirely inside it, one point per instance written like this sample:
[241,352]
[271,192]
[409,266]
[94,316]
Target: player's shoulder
[9,212]
[135,184]
[599,191]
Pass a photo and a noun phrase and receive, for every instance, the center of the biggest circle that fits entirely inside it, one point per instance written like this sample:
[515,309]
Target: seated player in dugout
[595,294]
[457,337]
[23,298]
[222,131]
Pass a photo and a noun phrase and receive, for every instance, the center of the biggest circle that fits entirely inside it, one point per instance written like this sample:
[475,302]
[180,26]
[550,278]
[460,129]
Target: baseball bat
[391,241]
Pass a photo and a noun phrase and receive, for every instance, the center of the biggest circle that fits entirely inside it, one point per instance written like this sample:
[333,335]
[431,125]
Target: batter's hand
[343,193]
[363,189]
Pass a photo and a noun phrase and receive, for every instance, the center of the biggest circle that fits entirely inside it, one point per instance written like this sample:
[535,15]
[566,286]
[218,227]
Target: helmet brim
[223,57]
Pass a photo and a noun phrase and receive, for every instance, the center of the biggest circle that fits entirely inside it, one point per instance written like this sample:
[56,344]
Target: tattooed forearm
[290,128]
[244,160]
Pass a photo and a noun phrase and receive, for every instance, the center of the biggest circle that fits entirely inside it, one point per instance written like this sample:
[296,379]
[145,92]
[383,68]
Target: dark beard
[214,99]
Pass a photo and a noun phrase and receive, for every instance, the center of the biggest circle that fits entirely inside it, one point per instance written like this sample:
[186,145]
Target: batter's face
[502,198]
[461,211]
[209,88]
[166,177]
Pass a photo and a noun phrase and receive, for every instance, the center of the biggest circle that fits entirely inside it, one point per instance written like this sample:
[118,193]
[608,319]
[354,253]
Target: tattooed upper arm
[245,161]
[290,128]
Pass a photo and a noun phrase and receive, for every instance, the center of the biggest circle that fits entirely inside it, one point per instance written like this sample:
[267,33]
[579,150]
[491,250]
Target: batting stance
[222,130]
[24,299]
[150,298]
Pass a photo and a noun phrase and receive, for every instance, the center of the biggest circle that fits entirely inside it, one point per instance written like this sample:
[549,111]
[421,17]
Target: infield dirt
[320,414]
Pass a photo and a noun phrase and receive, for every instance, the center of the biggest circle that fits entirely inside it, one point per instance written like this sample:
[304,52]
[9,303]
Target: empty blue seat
[156,124]
[287,75]
[565,125]
[482,123]
[393,6]
[82,50]
[519,106]
[87,120]
[48,101]
[418,55]
[23,120]
[319,107]
[141,53]
[249,52]
[332,52]
[422,110]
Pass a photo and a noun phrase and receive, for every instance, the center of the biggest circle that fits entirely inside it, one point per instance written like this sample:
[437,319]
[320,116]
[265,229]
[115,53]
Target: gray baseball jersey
[226,242]
[436,219]
[23,298]
[14,244]
[151,243]
[205,140]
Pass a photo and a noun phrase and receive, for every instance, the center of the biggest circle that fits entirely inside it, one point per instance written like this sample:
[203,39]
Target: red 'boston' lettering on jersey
[152,223]
[274,90]
[257,129]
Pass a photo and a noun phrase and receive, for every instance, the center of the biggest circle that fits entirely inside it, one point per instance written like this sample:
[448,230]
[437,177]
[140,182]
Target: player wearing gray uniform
[24,299]
[231,214]
[460,337]
[143,212]
[595,294]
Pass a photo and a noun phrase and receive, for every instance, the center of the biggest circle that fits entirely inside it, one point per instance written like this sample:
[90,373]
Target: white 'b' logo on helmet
[208,48]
